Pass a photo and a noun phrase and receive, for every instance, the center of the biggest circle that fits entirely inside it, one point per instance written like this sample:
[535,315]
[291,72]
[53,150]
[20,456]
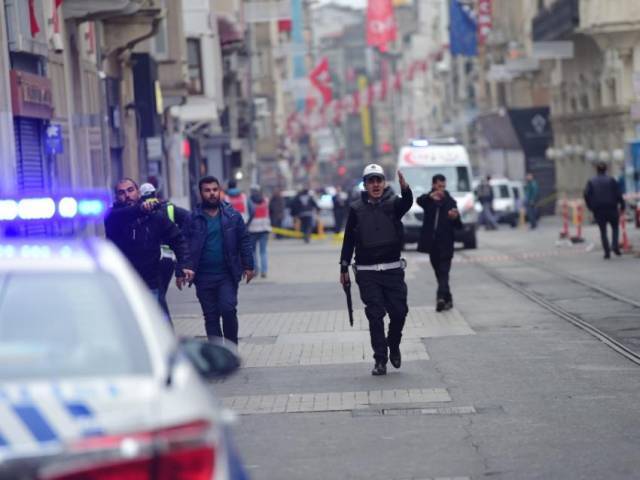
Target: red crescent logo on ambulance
[408,158]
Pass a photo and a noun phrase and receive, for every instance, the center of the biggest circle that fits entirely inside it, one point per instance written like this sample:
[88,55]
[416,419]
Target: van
[423,159]
[508,197]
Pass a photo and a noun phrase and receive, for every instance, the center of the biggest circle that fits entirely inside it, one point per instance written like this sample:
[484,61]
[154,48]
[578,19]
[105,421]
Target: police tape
[285,232]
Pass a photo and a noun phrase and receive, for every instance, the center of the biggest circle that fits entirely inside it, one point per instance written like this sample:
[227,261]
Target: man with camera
[138,228]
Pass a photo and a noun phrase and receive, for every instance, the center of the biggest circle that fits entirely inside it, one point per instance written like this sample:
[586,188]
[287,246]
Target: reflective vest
[260,222]
[239,204]
[165,250]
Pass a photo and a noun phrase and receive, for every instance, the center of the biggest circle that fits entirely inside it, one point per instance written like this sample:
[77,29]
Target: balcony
[557,21]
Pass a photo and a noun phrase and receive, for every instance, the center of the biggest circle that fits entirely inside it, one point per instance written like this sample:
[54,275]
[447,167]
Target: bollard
[578,219]
[625,245]
[564,233]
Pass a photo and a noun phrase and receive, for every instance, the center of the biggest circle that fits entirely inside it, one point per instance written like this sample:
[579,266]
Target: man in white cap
[374,230]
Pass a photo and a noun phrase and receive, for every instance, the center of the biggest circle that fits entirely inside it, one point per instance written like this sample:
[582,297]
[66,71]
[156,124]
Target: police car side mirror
[212,360]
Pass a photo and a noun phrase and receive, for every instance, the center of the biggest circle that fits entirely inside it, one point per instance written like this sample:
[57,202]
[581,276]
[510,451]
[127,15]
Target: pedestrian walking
[374,230]
[277,206]
[603,197]
[531,197]
[259,226]
[305,208]
[180,217]
[237,199]
[221,250]
[485,197]
[340,208]
[138,229]
[441,219]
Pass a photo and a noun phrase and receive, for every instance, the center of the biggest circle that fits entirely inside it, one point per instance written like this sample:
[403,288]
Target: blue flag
[463,30]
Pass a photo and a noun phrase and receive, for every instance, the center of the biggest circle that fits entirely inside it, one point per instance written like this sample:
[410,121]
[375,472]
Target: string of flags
[325,111]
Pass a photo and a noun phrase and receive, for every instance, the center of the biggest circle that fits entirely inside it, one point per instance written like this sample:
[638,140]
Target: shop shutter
[30,165]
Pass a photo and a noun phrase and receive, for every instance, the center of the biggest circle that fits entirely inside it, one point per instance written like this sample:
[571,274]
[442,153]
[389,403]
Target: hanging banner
[485,21]
[381,24]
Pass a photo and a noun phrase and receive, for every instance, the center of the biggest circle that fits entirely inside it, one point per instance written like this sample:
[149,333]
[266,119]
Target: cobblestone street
[309,407]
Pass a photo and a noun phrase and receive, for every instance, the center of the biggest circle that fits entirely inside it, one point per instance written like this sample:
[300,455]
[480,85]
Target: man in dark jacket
[374,230]
[304,208]
[221,250]
[603,197]
[441,217]
[180,217]
[138,229]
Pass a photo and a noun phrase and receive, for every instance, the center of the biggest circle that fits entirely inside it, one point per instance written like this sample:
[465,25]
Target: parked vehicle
[507,199]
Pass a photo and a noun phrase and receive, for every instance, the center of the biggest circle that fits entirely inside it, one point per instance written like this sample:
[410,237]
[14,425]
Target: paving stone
[340,401]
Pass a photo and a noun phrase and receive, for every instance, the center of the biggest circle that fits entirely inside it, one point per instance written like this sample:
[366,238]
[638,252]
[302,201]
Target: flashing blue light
[36,208]
[91,207]
[8,209]
[420,143]
[67,207]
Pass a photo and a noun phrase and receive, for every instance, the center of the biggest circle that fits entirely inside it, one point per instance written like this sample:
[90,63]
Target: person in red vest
[259,226]
[237,199]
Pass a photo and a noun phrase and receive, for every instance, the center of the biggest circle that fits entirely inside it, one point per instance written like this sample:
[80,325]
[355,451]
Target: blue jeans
[218,296]
[260,239]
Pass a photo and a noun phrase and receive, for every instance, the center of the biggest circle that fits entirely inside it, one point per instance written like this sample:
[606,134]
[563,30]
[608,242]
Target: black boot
[379,369]
[440,305]
[395,357]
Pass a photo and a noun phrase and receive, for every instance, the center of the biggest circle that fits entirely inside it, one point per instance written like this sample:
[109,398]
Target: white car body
[423,159]
[54,423]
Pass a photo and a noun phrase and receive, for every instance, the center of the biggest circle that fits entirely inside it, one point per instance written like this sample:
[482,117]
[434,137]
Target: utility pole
[7,137]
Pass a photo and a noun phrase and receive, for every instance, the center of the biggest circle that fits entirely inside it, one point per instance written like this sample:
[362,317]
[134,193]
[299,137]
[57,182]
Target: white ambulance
[419,162]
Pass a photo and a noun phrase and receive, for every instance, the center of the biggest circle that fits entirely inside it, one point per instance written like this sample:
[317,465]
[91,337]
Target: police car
[93,382]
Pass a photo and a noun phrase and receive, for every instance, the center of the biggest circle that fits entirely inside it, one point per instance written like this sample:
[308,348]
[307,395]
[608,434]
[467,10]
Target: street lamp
[590,156]
[618,155]
[604,156]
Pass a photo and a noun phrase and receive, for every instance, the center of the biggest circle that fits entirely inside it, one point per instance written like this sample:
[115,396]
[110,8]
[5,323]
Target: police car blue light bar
[85,205]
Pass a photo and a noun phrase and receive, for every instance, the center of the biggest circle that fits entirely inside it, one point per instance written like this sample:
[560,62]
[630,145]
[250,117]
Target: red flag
[321,79]
[33,21]
[485,21]
[397,81]
[381,24]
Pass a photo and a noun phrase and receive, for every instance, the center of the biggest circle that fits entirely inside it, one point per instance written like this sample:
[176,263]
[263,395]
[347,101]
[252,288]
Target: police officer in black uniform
[374,229]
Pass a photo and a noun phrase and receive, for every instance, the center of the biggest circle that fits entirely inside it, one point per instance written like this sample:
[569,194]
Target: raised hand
[403,183]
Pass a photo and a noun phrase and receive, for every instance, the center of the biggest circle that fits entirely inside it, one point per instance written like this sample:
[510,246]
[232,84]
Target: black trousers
[384,293]
[611,217]
[167,269]
[441,268]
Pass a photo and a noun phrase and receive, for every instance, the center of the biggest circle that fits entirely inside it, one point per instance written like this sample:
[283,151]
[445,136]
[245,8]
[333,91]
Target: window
[159,45]
[420,178]
[194,65]
[81,325]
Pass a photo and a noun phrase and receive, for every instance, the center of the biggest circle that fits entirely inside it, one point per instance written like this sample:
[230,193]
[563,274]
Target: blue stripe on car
[78,410]
[35,422]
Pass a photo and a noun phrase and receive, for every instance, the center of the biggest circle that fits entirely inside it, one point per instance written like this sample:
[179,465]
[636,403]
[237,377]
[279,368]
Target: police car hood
[44,417]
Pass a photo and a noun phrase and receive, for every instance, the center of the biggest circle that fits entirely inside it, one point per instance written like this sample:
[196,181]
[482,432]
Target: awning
[230,34]
[498,130]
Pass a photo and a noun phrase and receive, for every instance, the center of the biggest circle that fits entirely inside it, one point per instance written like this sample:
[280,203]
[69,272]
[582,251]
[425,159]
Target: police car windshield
[420,178]
[67,325]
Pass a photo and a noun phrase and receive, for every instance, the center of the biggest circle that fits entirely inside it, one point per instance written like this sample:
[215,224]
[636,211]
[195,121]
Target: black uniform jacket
[373,256]
[437,234]
[139,234]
